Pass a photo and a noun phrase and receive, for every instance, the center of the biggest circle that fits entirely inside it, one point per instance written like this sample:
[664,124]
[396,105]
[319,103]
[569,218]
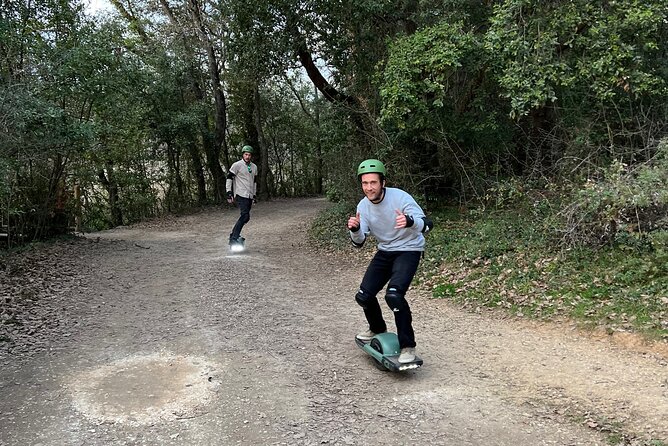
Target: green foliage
[480,235]
[435,82]
[80,111]
[578,51]
[439,101]
[125,112]
[42,121]
[422,70]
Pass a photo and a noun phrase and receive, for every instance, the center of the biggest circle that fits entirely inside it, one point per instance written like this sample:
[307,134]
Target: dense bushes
[625,201]
[616,203]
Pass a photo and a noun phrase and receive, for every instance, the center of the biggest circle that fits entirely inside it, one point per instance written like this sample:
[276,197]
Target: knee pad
[363,299]
[396,300]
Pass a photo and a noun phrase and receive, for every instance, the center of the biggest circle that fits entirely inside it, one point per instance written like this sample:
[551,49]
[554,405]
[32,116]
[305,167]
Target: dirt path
[169,339]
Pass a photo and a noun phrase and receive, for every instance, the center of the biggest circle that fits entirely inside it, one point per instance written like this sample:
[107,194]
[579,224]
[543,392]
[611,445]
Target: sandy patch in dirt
[144,389]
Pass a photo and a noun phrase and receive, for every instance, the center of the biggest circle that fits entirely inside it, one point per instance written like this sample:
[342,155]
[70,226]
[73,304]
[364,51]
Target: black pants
[244,207]
[396,269]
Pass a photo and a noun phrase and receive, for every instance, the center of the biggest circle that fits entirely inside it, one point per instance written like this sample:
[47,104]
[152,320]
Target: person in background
[241,186]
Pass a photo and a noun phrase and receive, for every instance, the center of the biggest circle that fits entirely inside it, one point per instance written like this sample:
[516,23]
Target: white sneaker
[407,355]
[366,335]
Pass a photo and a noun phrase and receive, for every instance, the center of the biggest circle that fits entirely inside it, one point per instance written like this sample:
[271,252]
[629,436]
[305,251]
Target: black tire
[376,345]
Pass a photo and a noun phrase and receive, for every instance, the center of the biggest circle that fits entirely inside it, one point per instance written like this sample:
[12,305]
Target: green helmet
[371,166]
[247,148]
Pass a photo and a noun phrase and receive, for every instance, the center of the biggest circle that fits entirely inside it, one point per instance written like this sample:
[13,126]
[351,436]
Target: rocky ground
[156,334]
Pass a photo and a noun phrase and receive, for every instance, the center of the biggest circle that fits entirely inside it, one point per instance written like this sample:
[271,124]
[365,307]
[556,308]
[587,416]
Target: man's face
[247,157]
[372,186]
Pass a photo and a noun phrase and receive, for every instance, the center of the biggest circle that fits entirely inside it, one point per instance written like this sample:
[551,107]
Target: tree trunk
[318,174]
[351,103]
[211,151]
[315,118]
[279,179]
[293,177]
[264,168]
[212,145]
[77,208]
[216,85]
[55,209]
[175,180]
[109,182]
[198,172]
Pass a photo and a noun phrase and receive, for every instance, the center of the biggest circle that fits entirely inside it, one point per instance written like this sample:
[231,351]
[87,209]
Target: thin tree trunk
[212,154]
[55,221]
[198,172]
[264,162]
[315,118]
[318,148]
[212,145]
[293,178]
[216,85]
[109,182]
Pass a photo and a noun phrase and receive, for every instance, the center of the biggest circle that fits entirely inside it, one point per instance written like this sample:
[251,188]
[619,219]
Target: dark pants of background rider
[396,268]
[244,207]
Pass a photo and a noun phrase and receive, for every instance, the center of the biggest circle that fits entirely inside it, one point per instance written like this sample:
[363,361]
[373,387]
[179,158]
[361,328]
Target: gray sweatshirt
[379,220]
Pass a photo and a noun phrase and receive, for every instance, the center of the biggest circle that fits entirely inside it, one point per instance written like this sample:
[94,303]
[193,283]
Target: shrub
[625,201]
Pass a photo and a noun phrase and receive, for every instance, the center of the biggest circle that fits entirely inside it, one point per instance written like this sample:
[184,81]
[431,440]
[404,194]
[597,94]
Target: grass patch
[502,260]
[507,260]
